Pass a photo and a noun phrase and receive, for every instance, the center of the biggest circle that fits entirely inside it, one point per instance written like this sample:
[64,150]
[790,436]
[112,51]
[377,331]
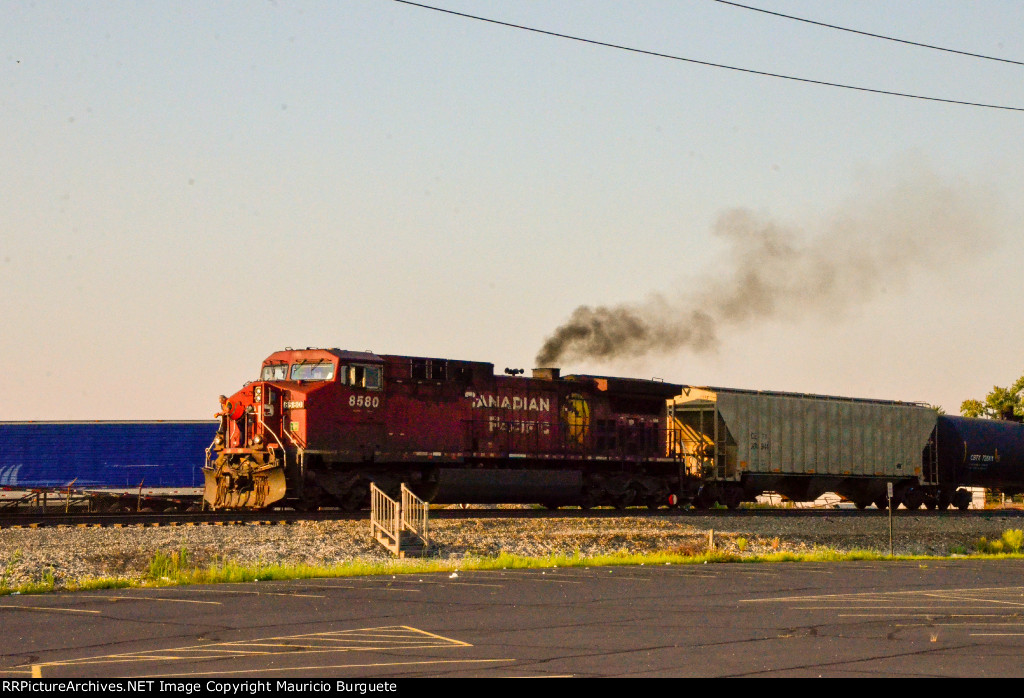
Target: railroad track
[30,519]
[213,518]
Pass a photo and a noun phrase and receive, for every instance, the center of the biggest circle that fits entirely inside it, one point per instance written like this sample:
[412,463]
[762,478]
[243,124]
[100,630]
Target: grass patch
[176,568]
[172,569]
[1010,542]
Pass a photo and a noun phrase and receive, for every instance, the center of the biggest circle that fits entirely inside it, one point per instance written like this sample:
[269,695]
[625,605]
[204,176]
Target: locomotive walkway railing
[389,520]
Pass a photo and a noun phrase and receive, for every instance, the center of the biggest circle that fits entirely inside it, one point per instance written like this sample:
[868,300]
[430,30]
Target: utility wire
[863,33]
[706,63]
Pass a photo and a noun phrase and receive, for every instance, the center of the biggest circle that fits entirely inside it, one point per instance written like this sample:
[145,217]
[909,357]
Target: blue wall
[103,454]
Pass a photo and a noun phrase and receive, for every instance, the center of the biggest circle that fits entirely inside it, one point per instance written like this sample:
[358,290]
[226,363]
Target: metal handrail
[414,514]
[384,516]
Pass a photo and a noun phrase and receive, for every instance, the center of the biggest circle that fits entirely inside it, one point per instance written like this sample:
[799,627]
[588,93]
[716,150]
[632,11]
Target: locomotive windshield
[277,372]
[319,371]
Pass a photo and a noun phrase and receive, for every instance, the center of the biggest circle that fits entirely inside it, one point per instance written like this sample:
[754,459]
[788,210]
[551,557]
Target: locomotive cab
[255,457]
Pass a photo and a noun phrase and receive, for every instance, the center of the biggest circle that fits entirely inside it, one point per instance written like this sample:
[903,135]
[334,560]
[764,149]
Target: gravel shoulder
[72,554]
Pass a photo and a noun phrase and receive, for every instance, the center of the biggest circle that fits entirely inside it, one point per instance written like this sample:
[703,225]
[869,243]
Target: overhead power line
[750,71]
[863,33]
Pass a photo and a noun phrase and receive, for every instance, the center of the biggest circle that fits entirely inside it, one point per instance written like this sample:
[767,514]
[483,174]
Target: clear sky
[188,187]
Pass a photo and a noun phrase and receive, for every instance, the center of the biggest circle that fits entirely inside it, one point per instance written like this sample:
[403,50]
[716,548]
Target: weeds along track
[38,519]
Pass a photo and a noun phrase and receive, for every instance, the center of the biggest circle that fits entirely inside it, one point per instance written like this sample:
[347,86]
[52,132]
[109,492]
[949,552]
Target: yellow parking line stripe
[320,667]
[479,584]
[154,598]
[254,593]
[938,606]
[973,598]
[47,608]
[386,638]
[878,595]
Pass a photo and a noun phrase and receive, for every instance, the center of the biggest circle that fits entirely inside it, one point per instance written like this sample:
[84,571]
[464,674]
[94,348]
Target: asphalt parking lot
[949,618]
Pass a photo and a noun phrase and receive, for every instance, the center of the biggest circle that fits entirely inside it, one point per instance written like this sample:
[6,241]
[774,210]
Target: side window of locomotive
[362,376]
[429,369]
[321,371]
[373,376]
[275,372]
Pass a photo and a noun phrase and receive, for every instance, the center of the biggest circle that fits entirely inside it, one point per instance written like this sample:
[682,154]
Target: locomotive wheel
[356,498]
[625,499]
[591,497]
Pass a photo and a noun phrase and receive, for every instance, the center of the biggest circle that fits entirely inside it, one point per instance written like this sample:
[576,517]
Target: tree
[1000,403]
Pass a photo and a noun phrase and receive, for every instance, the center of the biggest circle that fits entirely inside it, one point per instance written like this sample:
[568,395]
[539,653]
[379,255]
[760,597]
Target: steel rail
[37,519]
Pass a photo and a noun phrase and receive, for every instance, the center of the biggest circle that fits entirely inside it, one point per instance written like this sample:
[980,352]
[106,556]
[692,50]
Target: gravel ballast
[74,554]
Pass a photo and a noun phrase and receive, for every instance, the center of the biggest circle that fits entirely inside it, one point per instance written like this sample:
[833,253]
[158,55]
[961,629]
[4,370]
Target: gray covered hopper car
[745,443]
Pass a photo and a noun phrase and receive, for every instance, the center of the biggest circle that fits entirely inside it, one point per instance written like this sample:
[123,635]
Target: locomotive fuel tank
[982,453]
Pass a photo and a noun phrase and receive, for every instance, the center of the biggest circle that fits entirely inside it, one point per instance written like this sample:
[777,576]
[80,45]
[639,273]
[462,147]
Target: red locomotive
[320,424]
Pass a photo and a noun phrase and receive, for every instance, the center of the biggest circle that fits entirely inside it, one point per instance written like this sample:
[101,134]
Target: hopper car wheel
[861,503]
[733,497]
[962,499]
[882,503]
[705,499]
[913,499]
[943,500]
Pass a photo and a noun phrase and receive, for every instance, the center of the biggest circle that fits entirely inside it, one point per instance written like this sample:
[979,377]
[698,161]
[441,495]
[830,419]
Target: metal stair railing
[414,514]
[389,519]
[384,519]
